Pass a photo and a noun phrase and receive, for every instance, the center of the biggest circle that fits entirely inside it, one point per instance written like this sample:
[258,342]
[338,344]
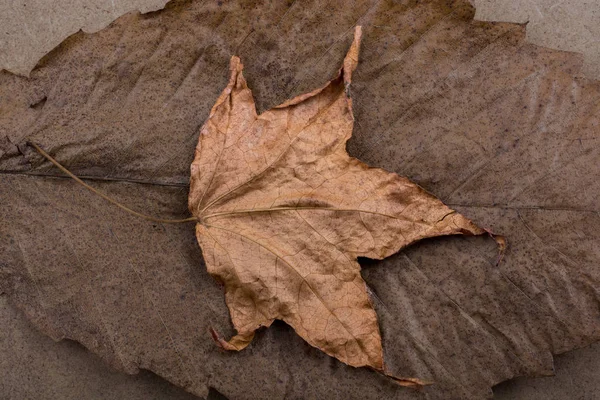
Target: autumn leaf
[501,130]
[284,212]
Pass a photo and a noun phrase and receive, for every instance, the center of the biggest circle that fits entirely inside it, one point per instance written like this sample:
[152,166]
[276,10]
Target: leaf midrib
[186,185]
[333,209]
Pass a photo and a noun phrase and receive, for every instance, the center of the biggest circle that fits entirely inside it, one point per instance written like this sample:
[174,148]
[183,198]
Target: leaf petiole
[104,196]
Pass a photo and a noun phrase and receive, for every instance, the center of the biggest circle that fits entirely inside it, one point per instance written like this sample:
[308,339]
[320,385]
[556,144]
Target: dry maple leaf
[284,212]
[500,129]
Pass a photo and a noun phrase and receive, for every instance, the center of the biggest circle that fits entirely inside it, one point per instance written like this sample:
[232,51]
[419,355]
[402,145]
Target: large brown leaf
[496,127]
[284,212]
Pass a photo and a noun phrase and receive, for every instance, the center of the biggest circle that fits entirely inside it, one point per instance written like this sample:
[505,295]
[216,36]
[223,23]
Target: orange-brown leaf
[284,213]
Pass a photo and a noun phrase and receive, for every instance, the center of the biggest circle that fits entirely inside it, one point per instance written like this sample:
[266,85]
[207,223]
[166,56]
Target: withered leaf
[500,129]
[284,212]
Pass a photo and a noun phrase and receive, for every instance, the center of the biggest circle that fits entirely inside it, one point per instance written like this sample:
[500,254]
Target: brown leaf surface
[284,212]
[496,127]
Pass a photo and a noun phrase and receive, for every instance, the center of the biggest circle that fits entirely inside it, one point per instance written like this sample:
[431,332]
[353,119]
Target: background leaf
[496,127]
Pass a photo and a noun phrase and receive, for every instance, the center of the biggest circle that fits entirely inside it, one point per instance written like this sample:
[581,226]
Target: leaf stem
[106,197]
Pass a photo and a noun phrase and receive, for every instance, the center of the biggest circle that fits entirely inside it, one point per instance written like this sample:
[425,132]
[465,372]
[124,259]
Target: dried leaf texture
[498,128]
[284,213]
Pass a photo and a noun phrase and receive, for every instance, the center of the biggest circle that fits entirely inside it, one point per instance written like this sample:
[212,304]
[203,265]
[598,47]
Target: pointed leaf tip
[351,59]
